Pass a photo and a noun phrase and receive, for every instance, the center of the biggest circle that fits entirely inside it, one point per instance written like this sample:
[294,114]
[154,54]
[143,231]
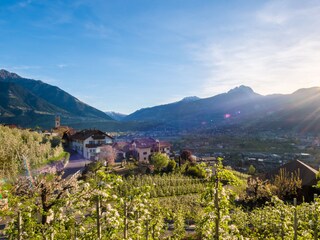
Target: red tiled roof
[165,144]
[122,146]
[149,143]
[66,129]
[140,143]
[144,142]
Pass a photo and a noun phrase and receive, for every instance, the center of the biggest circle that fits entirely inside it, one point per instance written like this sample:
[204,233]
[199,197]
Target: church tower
[57,121]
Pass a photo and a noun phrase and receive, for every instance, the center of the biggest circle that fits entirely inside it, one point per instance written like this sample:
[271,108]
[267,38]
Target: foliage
[171,166]
[159,161]
[317,186]
[16,143]
[178,221]
[251,170]
[186,155]
[64,155]
[276,221]
[168,184]
[105,206]
[258,191]
[287,184]
[107,154]
[215,222]
[55,141]
[40,202]
[195,170]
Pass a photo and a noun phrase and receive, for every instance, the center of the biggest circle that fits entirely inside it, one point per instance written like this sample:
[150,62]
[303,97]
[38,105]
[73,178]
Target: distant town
[265,152]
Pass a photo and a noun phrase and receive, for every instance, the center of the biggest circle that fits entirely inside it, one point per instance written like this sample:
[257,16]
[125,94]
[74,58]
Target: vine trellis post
[216,203]
[315,233]
[98,209]
[282,223]
[295,220]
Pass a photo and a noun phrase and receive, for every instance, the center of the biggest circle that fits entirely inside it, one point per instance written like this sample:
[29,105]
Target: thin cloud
[24,67]
[24,4]
[279,52]
[62,65]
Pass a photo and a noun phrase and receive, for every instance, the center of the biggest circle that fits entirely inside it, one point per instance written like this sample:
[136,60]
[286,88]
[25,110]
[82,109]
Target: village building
[88,141]
[122,149]
[65,132]
[145,147]
[307,174]
[142,148]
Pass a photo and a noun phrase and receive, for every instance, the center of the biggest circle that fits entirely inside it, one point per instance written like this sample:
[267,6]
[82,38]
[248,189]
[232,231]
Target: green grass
[63,155]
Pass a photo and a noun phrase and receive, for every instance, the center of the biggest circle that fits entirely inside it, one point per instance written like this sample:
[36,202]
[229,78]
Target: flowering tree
[37,203]
[215,223]
[16,143]
[107,154]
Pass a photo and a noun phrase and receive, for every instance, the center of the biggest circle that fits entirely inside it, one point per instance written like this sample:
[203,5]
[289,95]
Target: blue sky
[125,55]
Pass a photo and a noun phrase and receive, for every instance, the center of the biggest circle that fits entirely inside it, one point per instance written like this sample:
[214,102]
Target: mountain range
[29,102]
[299,111]
[26,101]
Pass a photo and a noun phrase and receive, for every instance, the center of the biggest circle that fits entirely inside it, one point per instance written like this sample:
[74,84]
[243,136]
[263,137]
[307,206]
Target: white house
[88,141]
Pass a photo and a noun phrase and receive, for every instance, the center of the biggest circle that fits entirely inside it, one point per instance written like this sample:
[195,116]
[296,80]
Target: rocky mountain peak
[4,74]
[242,90]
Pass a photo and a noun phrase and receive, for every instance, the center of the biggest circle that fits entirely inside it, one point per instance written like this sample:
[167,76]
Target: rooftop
[86,133]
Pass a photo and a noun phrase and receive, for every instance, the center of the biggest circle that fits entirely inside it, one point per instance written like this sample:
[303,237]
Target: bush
[195,171]
[55,141]
[171,166]
[159,161]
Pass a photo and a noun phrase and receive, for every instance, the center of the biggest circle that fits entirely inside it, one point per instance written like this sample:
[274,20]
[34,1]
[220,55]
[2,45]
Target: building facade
[142,148]
[87,142]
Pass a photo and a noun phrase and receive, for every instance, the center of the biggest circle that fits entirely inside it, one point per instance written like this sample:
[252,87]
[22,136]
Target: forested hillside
[30,102]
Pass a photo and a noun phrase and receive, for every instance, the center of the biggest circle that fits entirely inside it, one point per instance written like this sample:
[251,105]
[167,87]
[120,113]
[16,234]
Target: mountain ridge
[115,115]
[181,107]
[45,96]
[32,102]
[240,105]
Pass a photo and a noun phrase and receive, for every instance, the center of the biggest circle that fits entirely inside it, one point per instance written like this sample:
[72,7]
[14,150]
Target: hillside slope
[26,100]
[243,107]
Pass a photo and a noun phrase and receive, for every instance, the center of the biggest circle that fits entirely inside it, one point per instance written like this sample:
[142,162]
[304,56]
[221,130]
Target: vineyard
[218,204]
[168,206]
[168,185]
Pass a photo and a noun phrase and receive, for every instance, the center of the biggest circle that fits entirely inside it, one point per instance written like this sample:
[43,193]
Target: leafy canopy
[159,161]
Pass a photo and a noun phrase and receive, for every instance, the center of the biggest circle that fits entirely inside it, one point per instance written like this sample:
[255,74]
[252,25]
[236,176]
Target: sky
[123,55]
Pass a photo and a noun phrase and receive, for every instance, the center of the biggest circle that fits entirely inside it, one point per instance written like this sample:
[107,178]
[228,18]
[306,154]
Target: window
[145,153]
